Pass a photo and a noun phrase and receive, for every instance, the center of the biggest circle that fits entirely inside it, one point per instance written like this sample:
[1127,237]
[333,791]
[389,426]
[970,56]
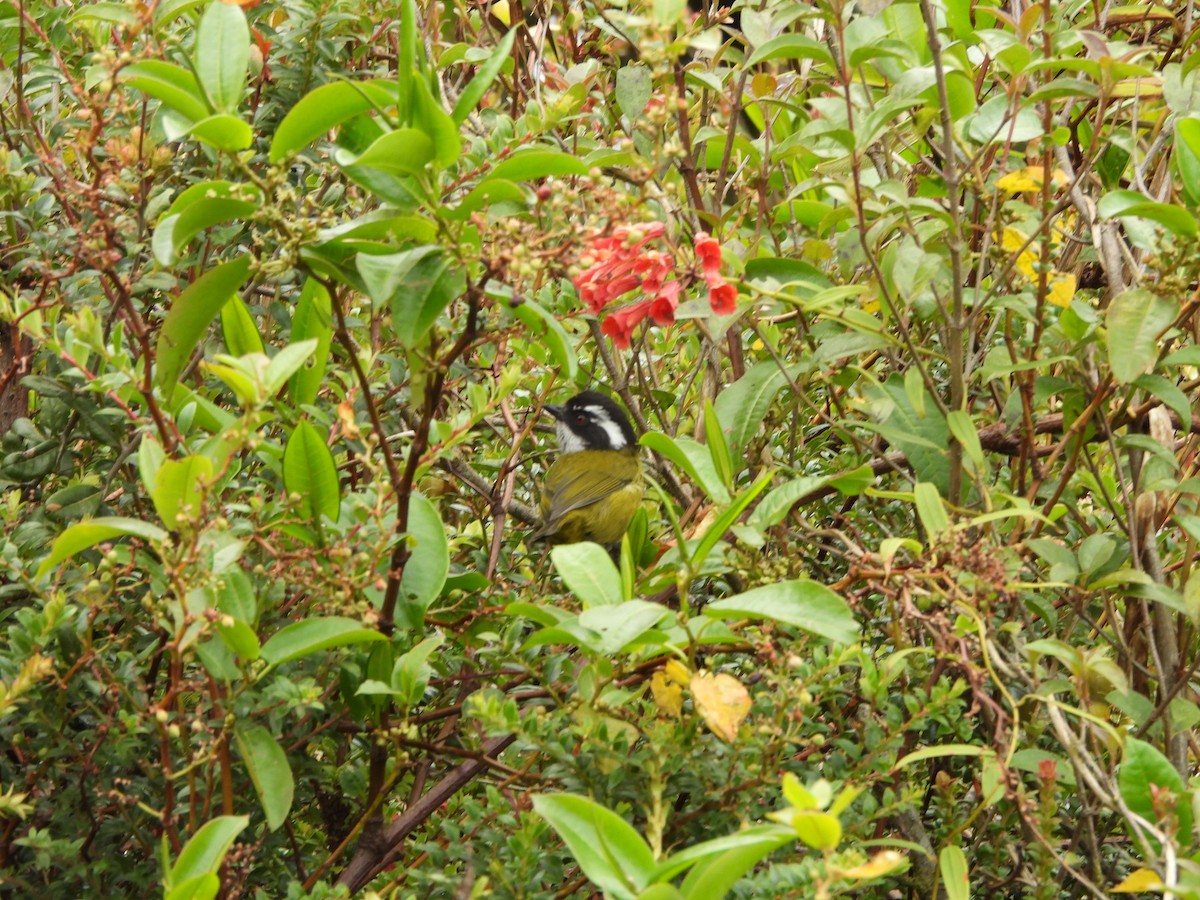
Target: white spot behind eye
[616,437]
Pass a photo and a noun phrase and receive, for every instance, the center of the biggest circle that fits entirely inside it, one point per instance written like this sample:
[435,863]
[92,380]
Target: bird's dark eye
[581,419]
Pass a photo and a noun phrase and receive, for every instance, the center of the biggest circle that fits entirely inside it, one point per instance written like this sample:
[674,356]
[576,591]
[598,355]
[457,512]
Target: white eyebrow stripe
[616,437]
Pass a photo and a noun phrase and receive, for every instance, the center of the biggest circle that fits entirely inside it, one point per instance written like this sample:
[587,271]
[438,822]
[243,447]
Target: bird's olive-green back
[591,496]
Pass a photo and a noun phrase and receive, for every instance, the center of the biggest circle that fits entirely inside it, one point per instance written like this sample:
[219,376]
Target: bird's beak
[554,409]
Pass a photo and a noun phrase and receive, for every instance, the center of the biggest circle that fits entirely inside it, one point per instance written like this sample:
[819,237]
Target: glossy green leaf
[610,853]
[172,85]
[221,130]
[546,329]
[312,635]
[417,284]
[269,769]
[484,76]
[780,500]
[718,445]
[726,518]
[206,849]
[528,165]
[801,603]
[286,363]
[691,456]
[952,865]
[83,535]
[410,675]
[431,117]
[406,151]
[1175,219]
[190,315]
[312,320]
[310,472]
[1134,320]
[930,509]
[222,54]
[588,572]
[1187,157]
[324,108]
[742,406]
[791,46]
[426,569]
[1145,771]
[237,325]
[179,489]
[177,228]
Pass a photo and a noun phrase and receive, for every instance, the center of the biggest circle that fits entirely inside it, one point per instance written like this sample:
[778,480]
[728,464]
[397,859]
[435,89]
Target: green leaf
[312,635]
[199,207]
[222,54]
[173,86]
[324,108]
[223,131]
[286,363]
[930,509]
[546,328]
[190,315]
[588,572]
[206,849]
[817,829]
[761,838]
[1143,770]
[963,428]
[202,887]
[778,502]
[802,603]
[406,151]
[922,437]
[633,90]
[427,567]
[177,489]
[742,406]
[309,470]
[718,445]
[1187,157]
[313,320]
[528,165]
[791,46]
[83,535]
[610,853]
[269,770]
[952,864]
[237,325]
[1134,320]
[691,456]
[431,117]
[1171,396]
[726,519]
[411,673]
[486,74]
[1175,219]
[418,284]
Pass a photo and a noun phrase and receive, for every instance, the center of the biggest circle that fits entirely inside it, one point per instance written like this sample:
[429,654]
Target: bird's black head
[592,421]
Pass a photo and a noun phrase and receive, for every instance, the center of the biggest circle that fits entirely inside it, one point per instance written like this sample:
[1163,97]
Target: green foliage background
[911,609]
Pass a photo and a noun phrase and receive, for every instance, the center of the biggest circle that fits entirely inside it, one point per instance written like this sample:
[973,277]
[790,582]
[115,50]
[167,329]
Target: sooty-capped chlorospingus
[594,487]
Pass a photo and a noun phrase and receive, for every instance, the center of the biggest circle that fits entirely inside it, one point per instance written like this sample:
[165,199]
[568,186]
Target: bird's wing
[557,492]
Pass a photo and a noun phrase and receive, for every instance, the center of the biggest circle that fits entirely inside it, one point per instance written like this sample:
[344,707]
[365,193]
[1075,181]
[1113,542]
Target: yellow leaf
[677,672]
[667,694]
[1013,240]
[1138,881]
[722,702]
[1027,179]
[1062,290]
[879,864]
[500,10]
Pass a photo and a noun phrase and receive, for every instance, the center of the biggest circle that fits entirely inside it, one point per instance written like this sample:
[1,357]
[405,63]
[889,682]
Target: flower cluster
[621,262]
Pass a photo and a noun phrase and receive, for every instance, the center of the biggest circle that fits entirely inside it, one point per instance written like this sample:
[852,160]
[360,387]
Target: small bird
[594,487]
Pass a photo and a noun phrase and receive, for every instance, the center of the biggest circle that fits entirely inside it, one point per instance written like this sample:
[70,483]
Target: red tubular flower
[708,250]
[722,296]
[619,324]
[662,307]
